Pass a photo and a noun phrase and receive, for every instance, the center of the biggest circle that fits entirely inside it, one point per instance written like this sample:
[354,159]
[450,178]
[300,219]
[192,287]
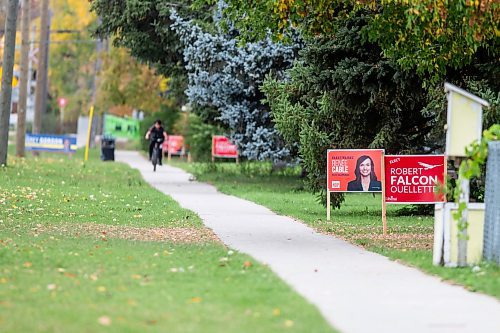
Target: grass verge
[88,247]
[358,221]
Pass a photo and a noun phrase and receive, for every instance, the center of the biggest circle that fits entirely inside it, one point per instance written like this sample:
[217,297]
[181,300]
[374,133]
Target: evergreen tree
[344,94]
[226,77]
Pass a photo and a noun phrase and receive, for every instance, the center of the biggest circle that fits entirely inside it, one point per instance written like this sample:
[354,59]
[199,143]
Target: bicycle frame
[155,156]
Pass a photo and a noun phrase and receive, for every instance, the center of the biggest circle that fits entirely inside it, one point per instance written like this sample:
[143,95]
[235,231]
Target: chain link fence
[491,250]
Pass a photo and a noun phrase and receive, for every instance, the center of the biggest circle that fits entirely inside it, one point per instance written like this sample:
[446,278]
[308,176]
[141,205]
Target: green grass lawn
[358,221]
[85,247]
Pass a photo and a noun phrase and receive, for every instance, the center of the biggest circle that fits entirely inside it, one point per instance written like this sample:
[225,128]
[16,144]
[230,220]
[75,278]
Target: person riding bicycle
[156,134]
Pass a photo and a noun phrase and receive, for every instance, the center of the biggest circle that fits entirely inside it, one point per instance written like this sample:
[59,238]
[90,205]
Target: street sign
[415,179]
[62,102]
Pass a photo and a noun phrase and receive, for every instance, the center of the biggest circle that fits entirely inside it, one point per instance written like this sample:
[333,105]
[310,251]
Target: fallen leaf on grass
[247,264]
[51,286]
[5,304]
[289,323]
[195,300]
[157,234]
[104,320]
[276,312]
[27,264]
[136,276]
[101,289]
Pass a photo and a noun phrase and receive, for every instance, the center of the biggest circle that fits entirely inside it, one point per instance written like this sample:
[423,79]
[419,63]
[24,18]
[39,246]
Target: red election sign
[354,170]
[414,178]
[174,145]
[222,147]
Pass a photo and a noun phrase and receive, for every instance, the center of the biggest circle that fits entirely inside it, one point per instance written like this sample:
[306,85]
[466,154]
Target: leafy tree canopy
[426,35]
[125,82]
[72,55]
[143,27]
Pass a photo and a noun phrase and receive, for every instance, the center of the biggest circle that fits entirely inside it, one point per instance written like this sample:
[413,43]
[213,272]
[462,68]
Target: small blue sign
[53,143]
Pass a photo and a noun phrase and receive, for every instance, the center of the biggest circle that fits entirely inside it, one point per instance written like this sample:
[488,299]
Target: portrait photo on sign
[354,170]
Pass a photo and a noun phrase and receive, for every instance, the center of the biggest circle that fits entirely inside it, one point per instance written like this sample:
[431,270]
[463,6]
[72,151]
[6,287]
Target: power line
[75,41]
[58,31]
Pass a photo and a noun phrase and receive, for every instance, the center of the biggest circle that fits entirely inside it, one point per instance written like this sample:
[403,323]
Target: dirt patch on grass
[155,234]
[409,241]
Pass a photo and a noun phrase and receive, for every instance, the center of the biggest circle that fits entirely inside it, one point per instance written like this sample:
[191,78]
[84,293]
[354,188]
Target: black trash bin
[108,149]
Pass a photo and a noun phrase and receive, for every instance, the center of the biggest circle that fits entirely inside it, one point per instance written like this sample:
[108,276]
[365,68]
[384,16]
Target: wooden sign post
[384,208]
[328,205]
[355,170]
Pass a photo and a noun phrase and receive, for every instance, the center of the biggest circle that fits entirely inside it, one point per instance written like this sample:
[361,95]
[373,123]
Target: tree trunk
[8,69]
[41,72]
[23,80]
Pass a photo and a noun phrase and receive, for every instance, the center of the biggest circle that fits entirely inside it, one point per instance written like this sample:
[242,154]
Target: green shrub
[199,138]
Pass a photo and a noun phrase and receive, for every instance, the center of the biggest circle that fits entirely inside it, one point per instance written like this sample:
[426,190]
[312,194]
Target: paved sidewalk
[355,290]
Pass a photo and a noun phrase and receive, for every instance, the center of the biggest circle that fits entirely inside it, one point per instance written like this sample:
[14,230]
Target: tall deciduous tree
[143,27]
[72,56]
[8,71]
[41,74]
[126,82]
[23,80]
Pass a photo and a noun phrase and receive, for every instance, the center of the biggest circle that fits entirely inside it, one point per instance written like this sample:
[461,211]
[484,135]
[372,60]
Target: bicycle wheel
[154,158]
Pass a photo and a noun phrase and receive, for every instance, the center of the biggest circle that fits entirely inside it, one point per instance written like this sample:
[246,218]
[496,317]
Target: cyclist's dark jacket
[156,133]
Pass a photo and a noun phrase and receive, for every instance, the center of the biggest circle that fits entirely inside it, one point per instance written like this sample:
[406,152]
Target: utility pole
[41,73]
[23,80]
[8,71]
[96,124]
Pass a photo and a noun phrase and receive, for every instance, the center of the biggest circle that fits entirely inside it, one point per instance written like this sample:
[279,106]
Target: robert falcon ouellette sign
[414,178]
[354,170]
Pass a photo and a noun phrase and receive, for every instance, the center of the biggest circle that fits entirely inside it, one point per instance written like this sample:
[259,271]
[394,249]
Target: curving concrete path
[355,290]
